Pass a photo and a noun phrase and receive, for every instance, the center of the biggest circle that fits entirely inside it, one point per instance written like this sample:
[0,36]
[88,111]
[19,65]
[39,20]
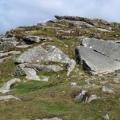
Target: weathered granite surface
[95,62]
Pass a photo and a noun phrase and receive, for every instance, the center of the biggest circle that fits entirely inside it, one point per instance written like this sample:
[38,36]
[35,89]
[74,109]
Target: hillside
[68,68]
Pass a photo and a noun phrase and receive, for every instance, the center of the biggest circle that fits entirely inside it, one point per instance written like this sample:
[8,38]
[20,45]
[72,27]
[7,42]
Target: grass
[46,101]
[54,98]
[7,69]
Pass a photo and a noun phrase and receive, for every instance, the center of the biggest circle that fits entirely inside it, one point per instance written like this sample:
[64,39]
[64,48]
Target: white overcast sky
[27,12]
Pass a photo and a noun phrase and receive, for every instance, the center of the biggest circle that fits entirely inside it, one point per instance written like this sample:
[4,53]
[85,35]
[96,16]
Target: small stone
[117,79]
[55,118]
[44,78]
[107,88]
[8,97]
[92,98]
[82,96]
[85,97]
[74,84]
[71,66]
[106,117]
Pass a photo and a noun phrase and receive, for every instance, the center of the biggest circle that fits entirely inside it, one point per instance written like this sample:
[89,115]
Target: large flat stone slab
[96,62]
[107,48]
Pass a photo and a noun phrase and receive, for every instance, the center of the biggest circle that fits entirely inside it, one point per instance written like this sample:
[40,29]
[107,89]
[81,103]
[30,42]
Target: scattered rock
[85,97]
[107,88]
[44,78]
[92,98]
[6,86]
[82,96]
[6,46]
[117,79]
[8,97]
[106,117]
[74,84]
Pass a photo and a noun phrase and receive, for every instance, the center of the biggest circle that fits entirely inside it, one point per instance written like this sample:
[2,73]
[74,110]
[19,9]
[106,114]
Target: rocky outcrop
[87,20]
[98,56]
[6,46]
[37,50]
[74,18]
[9,39]
[48,54]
